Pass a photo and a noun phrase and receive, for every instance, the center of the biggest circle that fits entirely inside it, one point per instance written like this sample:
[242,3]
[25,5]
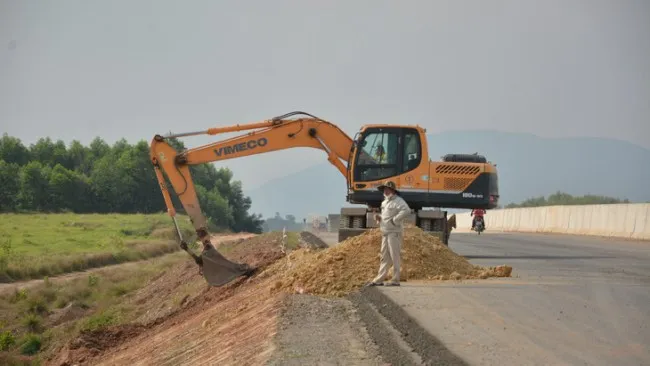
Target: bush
[93,280]
[31,344]
[99,321]
[6,340]
[32,322]
[37,305]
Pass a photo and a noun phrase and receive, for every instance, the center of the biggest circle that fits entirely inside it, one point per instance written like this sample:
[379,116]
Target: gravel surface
[364,329]
[402,340]
[317,331]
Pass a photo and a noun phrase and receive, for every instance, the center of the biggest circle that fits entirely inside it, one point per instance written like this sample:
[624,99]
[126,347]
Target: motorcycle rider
[476,213]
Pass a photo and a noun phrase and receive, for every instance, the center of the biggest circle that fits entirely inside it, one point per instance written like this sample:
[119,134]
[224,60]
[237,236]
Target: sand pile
[344,268]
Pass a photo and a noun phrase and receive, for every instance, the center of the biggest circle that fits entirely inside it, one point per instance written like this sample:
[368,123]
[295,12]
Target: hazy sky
[80,69]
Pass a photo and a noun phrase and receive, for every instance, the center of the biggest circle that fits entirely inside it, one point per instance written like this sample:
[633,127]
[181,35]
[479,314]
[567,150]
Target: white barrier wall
[616,220]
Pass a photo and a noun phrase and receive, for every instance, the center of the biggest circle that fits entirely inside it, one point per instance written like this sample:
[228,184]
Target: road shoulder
[315,331]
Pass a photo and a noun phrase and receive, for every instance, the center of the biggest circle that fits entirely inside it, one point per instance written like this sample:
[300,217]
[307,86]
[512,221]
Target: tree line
[561,198]
[278,223]
[49,176]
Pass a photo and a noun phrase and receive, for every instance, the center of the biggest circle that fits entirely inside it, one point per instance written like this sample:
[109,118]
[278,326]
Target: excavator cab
[384,152]
[400,153]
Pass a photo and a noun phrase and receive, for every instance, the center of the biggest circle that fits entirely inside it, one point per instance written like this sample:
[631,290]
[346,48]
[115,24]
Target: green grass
[39,245]
[293,240]
[28,327]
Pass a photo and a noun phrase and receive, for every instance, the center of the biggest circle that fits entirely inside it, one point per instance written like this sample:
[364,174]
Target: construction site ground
[570,301]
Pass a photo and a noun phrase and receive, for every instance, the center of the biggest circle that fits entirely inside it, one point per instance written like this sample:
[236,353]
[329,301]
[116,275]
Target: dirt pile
[344,268]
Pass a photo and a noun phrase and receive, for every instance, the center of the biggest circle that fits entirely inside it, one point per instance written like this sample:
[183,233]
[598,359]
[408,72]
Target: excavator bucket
[218,270]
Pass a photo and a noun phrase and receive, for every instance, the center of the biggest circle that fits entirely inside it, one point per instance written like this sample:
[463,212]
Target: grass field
[39,245]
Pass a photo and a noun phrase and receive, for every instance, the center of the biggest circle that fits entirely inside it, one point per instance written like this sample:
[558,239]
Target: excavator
[377,153]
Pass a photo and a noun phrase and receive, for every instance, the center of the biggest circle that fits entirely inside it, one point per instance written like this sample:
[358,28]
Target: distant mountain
[528,166]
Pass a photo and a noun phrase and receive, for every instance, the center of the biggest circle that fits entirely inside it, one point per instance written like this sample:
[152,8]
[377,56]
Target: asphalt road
[571,301]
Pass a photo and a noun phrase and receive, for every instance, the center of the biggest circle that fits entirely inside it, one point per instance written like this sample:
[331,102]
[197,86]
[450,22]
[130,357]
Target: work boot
[372,284]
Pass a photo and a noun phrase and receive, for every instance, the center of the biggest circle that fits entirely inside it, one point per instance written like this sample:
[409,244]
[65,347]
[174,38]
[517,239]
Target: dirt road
[572,301]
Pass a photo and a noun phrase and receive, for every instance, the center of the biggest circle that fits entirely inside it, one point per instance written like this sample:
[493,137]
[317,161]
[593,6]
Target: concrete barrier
[615,220]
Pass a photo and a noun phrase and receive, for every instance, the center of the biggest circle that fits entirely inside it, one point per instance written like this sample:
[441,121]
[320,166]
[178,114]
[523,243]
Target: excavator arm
[275,134]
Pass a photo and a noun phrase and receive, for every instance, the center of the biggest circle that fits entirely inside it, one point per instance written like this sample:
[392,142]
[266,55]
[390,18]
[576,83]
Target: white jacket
[393,212]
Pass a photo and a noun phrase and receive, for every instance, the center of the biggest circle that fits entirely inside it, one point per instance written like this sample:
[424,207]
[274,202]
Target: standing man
[393,212]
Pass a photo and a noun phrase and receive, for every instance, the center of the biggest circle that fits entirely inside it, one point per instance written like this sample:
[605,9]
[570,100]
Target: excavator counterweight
[380,152]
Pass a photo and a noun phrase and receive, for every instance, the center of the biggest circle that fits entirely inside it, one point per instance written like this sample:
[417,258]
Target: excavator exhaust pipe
[218,271]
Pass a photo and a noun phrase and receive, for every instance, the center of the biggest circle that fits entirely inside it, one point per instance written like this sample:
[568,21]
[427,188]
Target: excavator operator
[476,213]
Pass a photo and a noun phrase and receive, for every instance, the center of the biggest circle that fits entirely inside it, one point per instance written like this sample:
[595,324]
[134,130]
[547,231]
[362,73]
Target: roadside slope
[206,327]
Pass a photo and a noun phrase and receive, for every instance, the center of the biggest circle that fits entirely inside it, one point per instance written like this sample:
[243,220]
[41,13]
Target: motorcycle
[479,225]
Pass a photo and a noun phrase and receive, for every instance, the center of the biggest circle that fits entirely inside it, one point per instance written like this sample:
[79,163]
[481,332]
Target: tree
[69,190]
[10,183]
[215,208]
[34,184]
[560,198]
[12,151]
[79,157]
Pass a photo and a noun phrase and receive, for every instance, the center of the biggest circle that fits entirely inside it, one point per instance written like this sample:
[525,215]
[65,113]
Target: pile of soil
[344,268]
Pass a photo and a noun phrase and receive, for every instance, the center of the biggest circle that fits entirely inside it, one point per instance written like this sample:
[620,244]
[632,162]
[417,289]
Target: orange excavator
[377,153]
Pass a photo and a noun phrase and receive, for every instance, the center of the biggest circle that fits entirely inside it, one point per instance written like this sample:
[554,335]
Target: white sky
[80,69]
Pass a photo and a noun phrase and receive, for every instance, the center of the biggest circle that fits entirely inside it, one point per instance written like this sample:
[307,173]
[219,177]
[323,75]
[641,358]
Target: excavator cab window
[386,152]
[412,150]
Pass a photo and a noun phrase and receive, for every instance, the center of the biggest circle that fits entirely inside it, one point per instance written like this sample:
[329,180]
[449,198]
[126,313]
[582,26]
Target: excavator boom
[265,136]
